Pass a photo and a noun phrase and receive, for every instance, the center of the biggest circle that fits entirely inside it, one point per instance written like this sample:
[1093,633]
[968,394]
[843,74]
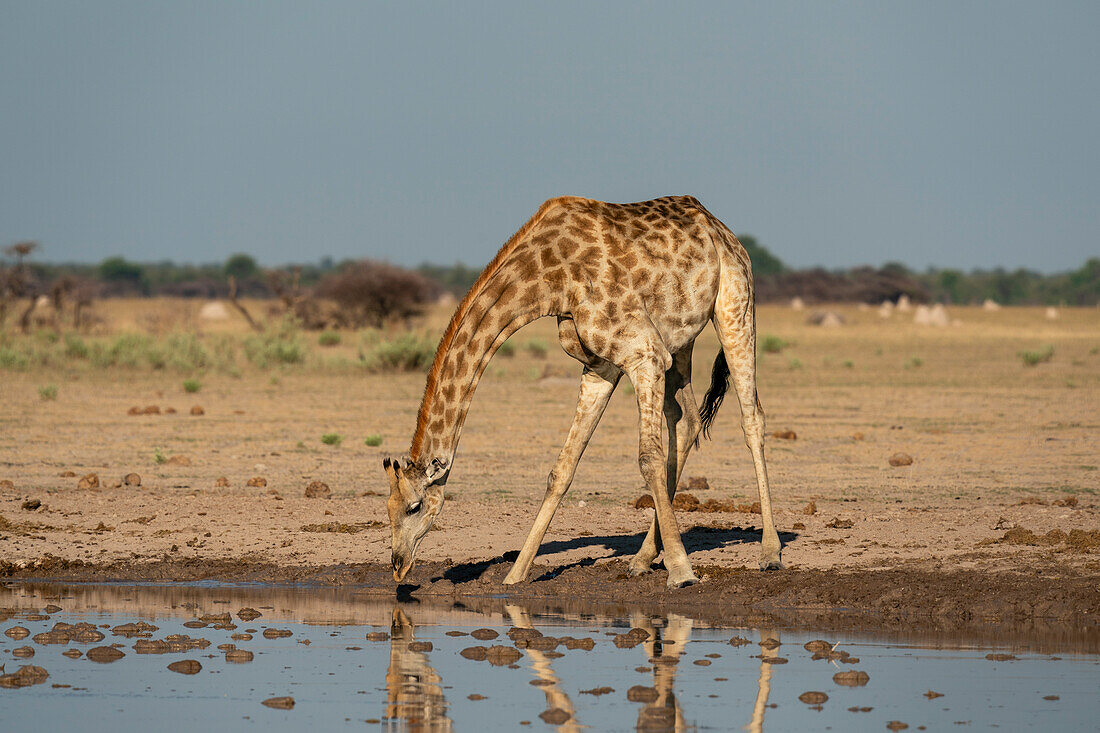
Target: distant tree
[455,279]
[896,268]
[241,266]
[117,269]
[121,277]
[949,285]
[21,250]
[764,263]
[1083,284]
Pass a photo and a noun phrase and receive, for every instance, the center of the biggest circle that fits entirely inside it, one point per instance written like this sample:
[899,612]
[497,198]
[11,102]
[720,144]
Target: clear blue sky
[963,134]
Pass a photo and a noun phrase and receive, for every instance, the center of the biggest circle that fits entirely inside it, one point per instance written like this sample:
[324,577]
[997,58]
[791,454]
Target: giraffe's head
[416,498]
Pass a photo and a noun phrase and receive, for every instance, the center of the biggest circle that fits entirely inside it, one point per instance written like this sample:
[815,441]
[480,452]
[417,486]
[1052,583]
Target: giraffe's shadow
[696,539]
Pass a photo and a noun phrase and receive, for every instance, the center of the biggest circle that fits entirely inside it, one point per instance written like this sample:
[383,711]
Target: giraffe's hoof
[639,568]
[681,580]
[773,563]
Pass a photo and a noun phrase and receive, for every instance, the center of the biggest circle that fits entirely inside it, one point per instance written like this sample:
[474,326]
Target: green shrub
[191,385]
[183,352]
[75,348]
[773,344]
[12,359]
[128,350]
[373,441]
[331,438]
[1034,358]
[794,364]
[158,456]
[282,345]
[507,349]
[49,392]
[328,338]
[408,352]
[537,348]
[914,362]
[849,364]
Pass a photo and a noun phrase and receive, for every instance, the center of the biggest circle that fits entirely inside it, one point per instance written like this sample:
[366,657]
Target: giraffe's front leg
[596,390]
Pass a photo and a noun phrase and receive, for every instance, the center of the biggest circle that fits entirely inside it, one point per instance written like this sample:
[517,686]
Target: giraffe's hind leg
[648,376]
[597,386]
[735,322]
[683,423]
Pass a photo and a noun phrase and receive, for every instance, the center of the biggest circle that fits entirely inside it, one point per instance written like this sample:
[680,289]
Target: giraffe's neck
[499,305]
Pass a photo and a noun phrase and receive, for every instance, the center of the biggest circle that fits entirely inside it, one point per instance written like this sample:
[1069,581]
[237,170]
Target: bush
[1034,358]
[191,385]
[373,441]
[12,359]
[328,338]
[129,349]
[281,346]
[371,293]
[537,348]
[75,348]
[331,438]
[408,352]
[507,349]
[48,393]
[773,344]
[184,352]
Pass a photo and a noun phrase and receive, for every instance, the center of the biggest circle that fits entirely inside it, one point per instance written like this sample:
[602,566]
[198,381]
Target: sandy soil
[998,448]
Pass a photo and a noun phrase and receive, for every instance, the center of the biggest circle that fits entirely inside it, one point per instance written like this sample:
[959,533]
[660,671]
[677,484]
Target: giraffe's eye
[413,508]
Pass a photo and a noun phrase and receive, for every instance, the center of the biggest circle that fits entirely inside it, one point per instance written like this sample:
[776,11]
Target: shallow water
[679,674]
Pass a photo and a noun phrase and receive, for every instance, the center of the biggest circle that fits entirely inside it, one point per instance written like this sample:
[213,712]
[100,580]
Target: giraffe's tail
[719,383]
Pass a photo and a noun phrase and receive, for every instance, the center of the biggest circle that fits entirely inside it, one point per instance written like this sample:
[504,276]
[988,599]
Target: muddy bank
[948,600]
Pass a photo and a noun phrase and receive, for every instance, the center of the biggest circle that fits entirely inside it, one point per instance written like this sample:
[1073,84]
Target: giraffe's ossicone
[632,286]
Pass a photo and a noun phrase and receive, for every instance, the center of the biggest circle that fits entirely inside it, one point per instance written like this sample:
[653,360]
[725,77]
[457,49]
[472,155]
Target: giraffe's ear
[437,470]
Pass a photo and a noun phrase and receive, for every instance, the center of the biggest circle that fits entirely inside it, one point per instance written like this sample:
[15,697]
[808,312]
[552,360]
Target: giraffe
[632,286]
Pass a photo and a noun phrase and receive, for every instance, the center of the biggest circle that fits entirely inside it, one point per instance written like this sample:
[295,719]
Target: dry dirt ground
[1002,498]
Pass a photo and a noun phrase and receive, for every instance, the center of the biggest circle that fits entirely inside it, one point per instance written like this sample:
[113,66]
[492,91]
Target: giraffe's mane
[460,314]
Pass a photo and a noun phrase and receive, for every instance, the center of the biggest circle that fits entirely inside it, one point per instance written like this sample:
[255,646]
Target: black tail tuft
[719,383]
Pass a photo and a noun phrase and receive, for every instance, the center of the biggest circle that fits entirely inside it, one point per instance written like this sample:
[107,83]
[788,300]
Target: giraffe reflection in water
[415,688]
[415,699]
[764,683]
[667,642]
[543,668]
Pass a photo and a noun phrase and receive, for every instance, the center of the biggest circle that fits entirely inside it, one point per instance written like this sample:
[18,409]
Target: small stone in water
[555,716]
[186,666]
[852,678]
[641,693]
[484,634]
[476,653]
[277,633]
[104,654]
